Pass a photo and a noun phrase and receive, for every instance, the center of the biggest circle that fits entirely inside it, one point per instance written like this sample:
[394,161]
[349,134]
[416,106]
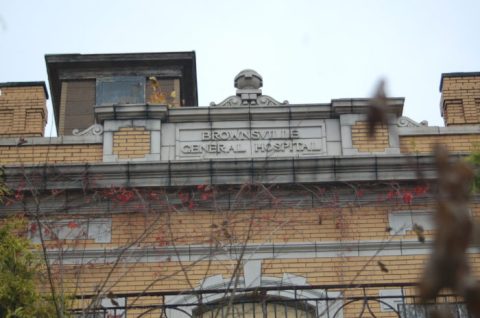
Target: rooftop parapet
[460,102]
[23,109]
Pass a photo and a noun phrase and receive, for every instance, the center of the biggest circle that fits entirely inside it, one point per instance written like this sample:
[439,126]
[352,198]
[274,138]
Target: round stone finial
[248,79]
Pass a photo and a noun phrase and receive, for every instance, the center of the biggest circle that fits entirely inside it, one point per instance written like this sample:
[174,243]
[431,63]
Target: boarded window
[98,229]
[402,221]
[120,90]
[79,99]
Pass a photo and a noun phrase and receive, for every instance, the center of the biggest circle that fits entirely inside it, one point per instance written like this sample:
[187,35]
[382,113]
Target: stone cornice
[249,113]
[435,130]
[130,111]
[361,105]
[396,247]
[242,113]
[188,173]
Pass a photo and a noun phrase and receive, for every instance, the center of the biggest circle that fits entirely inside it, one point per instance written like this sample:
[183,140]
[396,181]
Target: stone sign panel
[258,140]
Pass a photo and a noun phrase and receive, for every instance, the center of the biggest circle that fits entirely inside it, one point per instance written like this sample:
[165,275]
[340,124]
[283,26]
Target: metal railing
[330,301]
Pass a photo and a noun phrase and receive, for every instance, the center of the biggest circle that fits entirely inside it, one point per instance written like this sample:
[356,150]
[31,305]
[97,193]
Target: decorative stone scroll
[94,130]
[408,122]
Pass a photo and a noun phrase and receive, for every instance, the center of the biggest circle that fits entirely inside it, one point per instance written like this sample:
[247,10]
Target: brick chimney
[23,111]
[460,103]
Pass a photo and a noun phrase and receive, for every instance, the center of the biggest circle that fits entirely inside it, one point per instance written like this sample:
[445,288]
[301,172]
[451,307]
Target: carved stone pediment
[262,100]
[229,102]
[248,84]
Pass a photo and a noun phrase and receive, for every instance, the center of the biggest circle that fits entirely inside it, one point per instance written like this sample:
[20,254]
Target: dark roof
[457,74]
[58,64]
[26,84]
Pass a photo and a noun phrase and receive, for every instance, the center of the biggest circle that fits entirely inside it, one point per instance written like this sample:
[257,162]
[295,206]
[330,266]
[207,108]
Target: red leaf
[184,197]
[19,196]
[72,225]
[359,193]
[407,197]
[204,196]
[55,192]
[391,194]
[153,196]
[125,196]
[161,240]
[419,190]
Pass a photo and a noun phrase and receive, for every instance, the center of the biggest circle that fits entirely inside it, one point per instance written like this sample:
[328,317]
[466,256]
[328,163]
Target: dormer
[80,82]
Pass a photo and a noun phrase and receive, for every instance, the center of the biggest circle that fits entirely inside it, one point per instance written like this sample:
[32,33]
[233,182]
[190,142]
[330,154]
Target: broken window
[120,90]
[138,90]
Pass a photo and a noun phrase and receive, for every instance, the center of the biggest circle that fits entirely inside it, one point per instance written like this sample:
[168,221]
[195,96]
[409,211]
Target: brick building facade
[145,199]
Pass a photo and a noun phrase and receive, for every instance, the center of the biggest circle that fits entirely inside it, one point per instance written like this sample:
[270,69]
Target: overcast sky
[306,51]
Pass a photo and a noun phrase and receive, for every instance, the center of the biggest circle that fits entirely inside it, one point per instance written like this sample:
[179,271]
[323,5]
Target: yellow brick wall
[39,154]
[23,111]
[131,143]
[454,113]
[281,225]
[360,139]
[158,228]
[224,228]
[425,144]
[461,100]
[335,270]
[171,275]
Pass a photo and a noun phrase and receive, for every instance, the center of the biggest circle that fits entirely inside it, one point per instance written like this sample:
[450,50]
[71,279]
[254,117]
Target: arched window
[284,303]
[257,306]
